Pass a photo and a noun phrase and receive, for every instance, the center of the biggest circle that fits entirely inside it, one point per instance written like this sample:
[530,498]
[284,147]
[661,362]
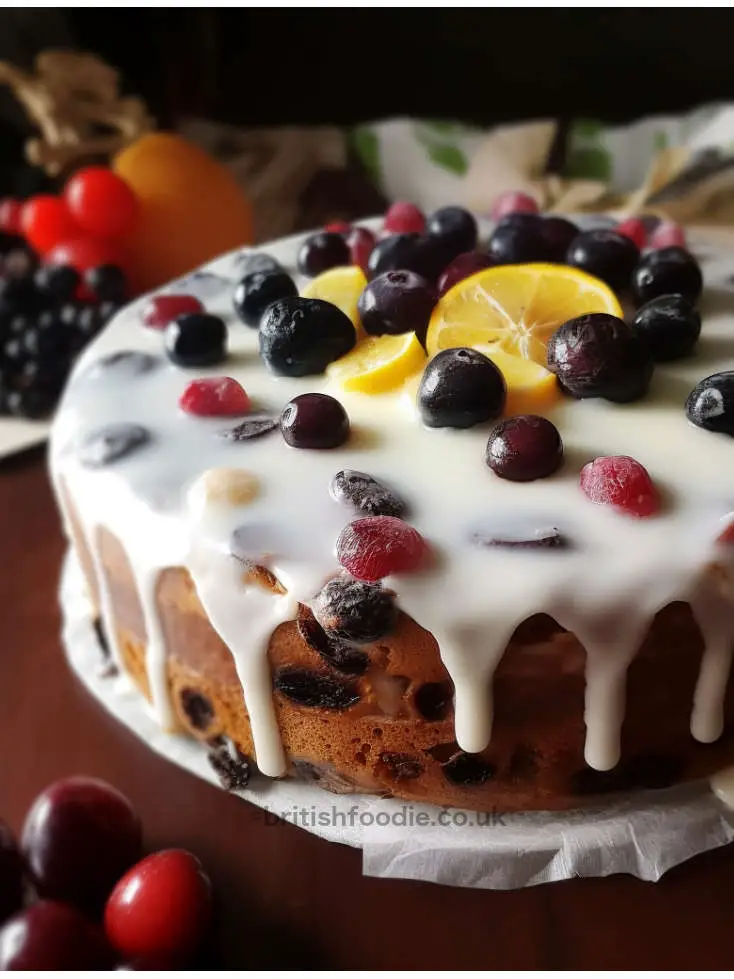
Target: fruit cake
[405,510]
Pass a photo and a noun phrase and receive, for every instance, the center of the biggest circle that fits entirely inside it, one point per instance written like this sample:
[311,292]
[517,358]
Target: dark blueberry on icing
[314,421]
[549,538]
[558,234]
[366,494]
[231,766]
[196,340]
[710,404]
[397,302]
[132,362]
[401,766]
[456,227]
[322,251]
[251,428]
[433,701]
[669,325]
[197,708]
[465,769]
[666,271]
[310,689]
[524,447]
[110,443]
[108,283]
[600,356]
[300,336]
[249,262]
[460,387]
[58,282]
[605,254]
[518,238]
[257,290]
[357,611]
[336,653]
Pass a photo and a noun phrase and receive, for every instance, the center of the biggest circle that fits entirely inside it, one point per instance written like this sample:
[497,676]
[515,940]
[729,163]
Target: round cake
[405,590]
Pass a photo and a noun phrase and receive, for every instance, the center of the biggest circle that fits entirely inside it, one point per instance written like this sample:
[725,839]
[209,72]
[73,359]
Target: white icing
[605,588]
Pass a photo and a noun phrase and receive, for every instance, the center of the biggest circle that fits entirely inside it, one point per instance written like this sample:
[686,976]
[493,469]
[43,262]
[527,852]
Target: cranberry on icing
[621,482]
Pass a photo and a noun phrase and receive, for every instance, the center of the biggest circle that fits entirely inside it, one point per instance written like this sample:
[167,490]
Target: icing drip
[605,586]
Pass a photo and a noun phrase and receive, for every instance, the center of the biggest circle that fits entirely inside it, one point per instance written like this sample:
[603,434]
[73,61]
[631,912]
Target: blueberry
[425,255]
[69,312]
[366,494]
[48,375]
[19,291]
[33,402]
[397,302]
[606,255]
[47,338]
[107,282]
[20,263]
[460,388]
[523,448]
[196,340]
[14,353]
[600,356]
[558,233]
[88,322]
[518,238]
[710,404]
[356,611]
[58,282]
[249,262]
[669,270]
[314,421]
[670,326]
[456,226]
[110,443]
[301,336]
[257,290]
[322,251]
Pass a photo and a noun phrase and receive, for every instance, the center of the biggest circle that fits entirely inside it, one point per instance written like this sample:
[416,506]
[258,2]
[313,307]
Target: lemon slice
[530,388]
[379,364]
[341,286]
[516,308]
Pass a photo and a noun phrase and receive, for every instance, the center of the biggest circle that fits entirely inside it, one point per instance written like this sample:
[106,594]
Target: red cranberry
[11,874]
[162,310]
[620,482]
[464,265]
[403,217]
[314,421]
[374,547]
[161,907]
[524,447]
[667,234]
[635,230]
[215,396]
[79,837]
[50,936]
[361,241]
[513,202]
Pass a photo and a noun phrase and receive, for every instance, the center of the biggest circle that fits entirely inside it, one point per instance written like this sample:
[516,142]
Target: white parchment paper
[645,836]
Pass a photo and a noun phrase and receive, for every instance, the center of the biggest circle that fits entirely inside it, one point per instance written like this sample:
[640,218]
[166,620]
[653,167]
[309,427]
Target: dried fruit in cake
[111,443]
[357,611]
[400,766]
[620,482]
[524,447]
[314,421]
[670,326]
[52,937]
[464,265]
[466,769]
[341,287]
[558,234]
[303,336]
[257,290]
[460,388]
[365,493]
[634,229]
[403,216]
[379,364]
[513,202]
[159,311]
[455,227]
[372,548]
[79,837]
[322,251]
[196,340]
[162,906]
[600,356]
[516,307]
[519,239]
[12,872]
[669,270]
[230,765]
[336,653]
[397,302]
[307,688]
[214,396]
[710,404]
[605,254]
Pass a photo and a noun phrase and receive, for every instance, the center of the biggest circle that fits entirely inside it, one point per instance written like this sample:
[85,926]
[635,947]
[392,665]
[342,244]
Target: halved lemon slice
[379,364]
[530,387]
[516,308]
[341,286]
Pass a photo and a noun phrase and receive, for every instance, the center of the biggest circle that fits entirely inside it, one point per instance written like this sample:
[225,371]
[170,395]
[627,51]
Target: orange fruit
[191,208]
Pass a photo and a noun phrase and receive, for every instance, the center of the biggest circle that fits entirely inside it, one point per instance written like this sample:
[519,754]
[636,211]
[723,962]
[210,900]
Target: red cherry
[461,268]
[161,907]
[620,482]
[101,202]
[45,221]
[634,229]
[215,396]
[361,241]
[513,202]
[84,252]
[161,310]
[402,217]
[52,936]
[338,227]
[11,210]
[667,234]
[374,547]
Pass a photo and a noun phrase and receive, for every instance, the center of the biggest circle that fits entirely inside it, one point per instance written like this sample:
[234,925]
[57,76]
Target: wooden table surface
[286,898]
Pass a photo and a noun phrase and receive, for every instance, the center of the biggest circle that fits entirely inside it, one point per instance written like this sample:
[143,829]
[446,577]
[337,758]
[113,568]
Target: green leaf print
[449,157]
[367,146]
